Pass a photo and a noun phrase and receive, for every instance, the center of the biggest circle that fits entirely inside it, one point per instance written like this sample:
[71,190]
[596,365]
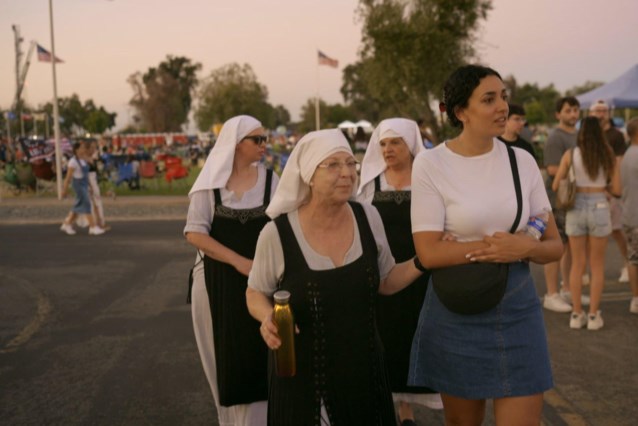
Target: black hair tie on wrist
[418,265]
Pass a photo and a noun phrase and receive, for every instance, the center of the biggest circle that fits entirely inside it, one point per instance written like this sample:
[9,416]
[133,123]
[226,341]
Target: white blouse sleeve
[268,264]
[385,259]
[200,212]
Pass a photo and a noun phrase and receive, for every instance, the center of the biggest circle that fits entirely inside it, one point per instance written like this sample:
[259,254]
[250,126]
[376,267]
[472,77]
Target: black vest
[339,353]
[240,353]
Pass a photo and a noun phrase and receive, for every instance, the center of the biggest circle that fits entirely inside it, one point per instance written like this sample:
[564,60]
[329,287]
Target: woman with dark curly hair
[595,170]
[466,187]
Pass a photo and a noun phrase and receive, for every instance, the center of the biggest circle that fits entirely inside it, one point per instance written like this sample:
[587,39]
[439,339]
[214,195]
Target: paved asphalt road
[95,331]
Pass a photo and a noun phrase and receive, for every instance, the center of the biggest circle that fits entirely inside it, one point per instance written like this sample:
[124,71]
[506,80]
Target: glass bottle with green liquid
[285,361]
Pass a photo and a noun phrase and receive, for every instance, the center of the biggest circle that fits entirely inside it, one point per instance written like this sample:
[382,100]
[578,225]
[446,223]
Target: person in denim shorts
[629,176]
[589,221]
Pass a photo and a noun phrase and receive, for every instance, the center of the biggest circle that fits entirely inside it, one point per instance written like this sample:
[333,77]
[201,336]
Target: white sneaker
[577,320]
[595,322]
[433,401]
[633,306]
[567,297]
[624,275]
[555,303]
[67,229]
[96,230]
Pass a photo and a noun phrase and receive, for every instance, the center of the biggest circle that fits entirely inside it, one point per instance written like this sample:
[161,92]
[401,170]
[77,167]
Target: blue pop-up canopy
[619,93]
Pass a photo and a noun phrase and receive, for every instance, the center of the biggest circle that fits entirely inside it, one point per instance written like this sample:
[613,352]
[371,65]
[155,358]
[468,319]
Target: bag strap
[517,187]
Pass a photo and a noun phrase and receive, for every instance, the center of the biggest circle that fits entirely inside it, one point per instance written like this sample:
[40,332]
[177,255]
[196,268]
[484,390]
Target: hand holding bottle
[269,332]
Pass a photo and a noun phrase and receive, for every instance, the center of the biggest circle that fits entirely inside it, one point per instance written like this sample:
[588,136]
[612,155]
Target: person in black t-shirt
[513,127]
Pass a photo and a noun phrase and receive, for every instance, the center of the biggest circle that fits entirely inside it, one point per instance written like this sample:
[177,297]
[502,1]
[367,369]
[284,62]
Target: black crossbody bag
[474,288]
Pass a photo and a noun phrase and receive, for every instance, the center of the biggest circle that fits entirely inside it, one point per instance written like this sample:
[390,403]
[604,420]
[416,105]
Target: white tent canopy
[347,125]
[363,123]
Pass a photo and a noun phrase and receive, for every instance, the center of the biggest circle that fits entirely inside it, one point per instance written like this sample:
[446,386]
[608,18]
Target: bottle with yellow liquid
[285,361]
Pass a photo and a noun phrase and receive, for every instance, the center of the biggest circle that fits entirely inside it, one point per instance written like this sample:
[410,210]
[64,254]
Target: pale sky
[565,42]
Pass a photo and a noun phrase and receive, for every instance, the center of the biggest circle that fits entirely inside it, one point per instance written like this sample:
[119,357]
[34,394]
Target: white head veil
[219,163]
[310,151]
[373,163]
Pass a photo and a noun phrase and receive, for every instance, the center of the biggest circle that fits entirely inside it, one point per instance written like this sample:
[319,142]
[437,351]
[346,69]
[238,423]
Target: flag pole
[56,112]
[317,125]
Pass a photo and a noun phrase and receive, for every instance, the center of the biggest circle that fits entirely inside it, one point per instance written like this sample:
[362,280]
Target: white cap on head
[219,163]
[310,151]
[599,104]
[373,163]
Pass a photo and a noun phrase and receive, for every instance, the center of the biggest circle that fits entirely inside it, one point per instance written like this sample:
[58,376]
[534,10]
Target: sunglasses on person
[257,140]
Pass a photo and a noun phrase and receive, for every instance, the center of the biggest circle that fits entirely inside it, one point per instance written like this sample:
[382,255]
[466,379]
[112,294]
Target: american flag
[45,56]
[326,60]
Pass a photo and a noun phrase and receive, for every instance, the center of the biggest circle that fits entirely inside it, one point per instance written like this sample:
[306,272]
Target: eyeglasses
[335,166]
[257,140]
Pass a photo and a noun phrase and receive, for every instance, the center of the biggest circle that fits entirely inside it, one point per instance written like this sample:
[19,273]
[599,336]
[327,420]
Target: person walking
[616,140]
[97,208]
[332,255]
[629,179]
[386,175]
[225,216]
[467,187]
[77,175]
[560,140]
[588,223]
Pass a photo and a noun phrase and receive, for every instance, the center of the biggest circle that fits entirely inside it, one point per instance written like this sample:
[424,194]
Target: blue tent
[619,93]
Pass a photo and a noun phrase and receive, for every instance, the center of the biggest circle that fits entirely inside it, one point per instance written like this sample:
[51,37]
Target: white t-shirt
[268,265]
[77,167]
[367,192]
[472,197]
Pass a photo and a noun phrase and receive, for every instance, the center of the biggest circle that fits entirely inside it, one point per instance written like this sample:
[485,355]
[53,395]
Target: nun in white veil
[332,255]
[393,146]
[225,216]
[386,176]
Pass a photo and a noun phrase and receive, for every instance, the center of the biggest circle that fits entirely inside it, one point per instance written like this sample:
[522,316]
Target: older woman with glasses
[226,214]
[332,255]
[386,177]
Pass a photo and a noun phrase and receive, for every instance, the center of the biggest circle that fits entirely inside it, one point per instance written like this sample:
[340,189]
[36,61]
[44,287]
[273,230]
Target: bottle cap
[282,296]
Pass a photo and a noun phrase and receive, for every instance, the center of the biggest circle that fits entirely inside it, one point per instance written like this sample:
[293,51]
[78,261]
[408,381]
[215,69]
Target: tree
[330,115]
[539,102]
[232,90]
[99,120]
[282,116]
[77,118]
[162,97]
[409,49]
[587,86]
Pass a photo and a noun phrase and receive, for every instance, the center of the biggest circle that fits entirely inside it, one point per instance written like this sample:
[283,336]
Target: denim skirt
[82,200]
[498,353]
